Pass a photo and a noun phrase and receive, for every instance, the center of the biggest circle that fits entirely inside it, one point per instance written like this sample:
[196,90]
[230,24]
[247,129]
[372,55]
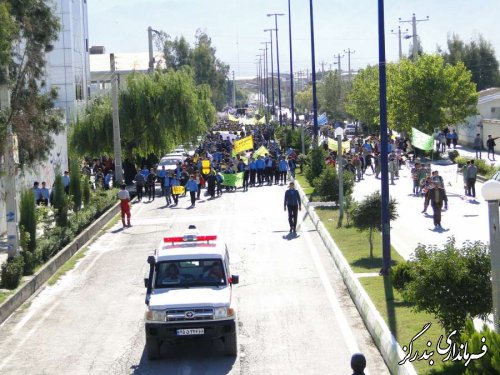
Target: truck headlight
[220,312]
[223,312]
[155,315]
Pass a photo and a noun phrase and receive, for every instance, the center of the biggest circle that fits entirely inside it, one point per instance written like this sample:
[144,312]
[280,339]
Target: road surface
[294,313]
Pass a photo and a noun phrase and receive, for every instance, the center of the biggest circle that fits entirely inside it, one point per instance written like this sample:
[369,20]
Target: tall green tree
[60,202]
[428,94]
[332,93]
[27,32]
[478,56]
[363,100]
[366,215]
[157,112]
[304,100]
[27,221]
[75,186]
[203,62]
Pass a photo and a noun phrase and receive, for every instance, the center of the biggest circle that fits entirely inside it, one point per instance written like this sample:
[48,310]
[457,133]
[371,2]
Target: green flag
[233,179]
[421,140]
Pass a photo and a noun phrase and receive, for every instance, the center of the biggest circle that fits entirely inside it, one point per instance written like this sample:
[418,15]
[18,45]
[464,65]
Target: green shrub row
[54,239]
[483,168]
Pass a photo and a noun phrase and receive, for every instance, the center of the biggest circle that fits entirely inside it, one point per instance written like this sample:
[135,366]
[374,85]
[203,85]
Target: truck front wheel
[231,344]
[153,348]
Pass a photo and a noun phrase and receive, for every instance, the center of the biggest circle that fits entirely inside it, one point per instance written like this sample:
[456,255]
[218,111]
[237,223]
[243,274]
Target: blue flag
[322,119]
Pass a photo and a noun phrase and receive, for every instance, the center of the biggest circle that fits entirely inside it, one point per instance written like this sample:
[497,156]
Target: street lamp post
[278,61]
[339,134]
[272,66]
[266,74]
[386,227]
[116,123]
[151,65]
[491,193]
[292,100]
[313,63]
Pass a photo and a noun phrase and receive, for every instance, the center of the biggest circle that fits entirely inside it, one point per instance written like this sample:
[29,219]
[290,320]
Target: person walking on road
[490,145]
[436,197]
[478,145]
[192,187]
[124,197]
[293,203]
[167,187]
[150,183]
[139,185]
[471,179]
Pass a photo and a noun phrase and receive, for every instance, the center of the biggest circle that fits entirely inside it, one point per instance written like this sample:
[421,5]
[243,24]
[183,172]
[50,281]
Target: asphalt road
[294,313]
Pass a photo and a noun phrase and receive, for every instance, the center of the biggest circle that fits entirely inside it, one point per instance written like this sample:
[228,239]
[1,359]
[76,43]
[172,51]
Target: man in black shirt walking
[292,202]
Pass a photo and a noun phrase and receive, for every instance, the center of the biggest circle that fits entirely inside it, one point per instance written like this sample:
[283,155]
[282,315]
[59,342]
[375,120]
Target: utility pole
[349,53]
[116,123]
[10,167]
[400,34]
[151,65]
[292,99]
[415,35]
[277,61]
[272,66]
[266,74]
[322,69]
[234,91]
[338,57]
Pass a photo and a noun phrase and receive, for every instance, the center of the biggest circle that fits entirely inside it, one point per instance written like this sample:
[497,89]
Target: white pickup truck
[189,294]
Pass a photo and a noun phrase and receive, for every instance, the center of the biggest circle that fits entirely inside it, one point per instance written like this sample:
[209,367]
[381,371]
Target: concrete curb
[50,268]
[385,341]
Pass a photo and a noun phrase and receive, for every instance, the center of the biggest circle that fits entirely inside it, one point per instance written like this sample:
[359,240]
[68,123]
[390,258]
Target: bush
[450,283]
[453,154]
[366,215]
[12,272]
[60,202]
[401,275]
[86,191]
[292,138]
[327,184]
[483,168]
[31,260]
[488,363]
[75,186]
[27,221]
[315,164]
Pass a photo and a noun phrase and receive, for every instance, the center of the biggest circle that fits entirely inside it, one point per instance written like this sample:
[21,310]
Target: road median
[380,332]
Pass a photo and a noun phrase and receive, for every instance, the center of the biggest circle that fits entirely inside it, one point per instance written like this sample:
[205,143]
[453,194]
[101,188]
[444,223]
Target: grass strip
[4,295]
[68,266]
[403,321]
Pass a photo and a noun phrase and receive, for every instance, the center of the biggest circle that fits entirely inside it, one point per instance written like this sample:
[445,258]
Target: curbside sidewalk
[382,336]
[39,279]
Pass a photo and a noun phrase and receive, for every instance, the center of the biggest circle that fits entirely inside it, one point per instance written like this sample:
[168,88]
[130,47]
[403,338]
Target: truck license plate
[190,331]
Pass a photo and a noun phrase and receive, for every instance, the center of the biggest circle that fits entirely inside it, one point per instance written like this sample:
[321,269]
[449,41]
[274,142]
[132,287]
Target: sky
[236,28]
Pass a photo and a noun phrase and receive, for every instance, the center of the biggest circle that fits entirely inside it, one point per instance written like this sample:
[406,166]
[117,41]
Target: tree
[428,94]
[450,283]
[75,186]
[366,215]
[478,56]
[315,165]
[60,202]
[304,100]
[27,221]
[332,93]
[327,184]
[201,61]
[86,191]
[157,112]
[363,101]
[29,30]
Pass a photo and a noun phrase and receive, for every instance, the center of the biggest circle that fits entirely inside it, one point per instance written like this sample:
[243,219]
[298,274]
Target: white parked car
[169,162]
[189,294]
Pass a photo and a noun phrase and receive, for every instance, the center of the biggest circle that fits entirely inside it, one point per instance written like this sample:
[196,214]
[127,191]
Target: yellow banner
[232,118]
[177,190]
[205,166]
[245,159]
[261,151]
[243,144]
[333,145]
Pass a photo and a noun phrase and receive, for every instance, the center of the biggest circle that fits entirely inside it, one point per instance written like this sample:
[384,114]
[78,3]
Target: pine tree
[27,220]
[75,186]
[60,202]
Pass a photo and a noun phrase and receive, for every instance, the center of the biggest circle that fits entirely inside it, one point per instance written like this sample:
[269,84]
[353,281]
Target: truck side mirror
[146,281]
[235,279]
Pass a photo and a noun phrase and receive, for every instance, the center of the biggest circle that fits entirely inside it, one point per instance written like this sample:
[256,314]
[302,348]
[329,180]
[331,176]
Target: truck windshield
[189,273]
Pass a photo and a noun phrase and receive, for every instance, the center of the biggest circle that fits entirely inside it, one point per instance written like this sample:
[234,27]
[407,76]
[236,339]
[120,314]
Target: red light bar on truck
[189,238]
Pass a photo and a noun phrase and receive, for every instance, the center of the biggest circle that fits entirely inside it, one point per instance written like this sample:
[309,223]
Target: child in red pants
[124,197]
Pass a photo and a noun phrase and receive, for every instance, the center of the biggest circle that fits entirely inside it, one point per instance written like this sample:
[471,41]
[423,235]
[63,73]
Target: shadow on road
[187,358]
[389,301]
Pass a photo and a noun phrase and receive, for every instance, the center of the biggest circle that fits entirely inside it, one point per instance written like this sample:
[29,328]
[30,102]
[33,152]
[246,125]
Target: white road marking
[332,297]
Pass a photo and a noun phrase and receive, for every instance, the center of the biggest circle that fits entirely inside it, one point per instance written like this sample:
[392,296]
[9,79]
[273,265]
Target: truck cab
[189,293]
